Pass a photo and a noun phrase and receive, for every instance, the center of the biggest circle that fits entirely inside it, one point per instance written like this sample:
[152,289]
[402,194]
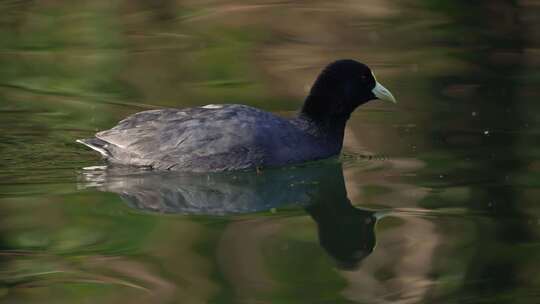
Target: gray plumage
[211,138]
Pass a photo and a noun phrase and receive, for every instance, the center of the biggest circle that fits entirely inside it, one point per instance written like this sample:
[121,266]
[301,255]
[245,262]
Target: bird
[231,137]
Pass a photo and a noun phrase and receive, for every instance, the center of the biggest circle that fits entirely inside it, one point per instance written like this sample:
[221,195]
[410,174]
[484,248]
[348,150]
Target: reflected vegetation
[454,165]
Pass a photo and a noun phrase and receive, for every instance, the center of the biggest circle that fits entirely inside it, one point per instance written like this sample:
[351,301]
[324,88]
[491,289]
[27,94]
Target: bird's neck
[328,130]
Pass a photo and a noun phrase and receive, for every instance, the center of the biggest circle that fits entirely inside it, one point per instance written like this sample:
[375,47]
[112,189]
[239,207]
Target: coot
[229,137]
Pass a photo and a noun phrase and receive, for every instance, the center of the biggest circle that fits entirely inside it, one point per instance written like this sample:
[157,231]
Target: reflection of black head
[345,232]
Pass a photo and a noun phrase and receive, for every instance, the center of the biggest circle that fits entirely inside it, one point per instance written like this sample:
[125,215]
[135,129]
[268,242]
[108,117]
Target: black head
[341,87]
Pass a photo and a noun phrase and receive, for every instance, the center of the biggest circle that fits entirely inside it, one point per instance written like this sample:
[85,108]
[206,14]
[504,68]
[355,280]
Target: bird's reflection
[345,232]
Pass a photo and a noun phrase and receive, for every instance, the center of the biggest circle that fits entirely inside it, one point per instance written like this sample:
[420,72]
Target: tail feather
[96,144]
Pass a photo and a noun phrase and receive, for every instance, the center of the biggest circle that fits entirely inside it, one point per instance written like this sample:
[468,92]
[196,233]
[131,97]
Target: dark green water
[434,200]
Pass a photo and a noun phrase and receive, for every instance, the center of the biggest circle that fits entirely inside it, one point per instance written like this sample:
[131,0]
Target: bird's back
[209,138]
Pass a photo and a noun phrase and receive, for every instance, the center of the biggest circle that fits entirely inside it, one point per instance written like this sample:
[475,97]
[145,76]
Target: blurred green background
[455,162]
